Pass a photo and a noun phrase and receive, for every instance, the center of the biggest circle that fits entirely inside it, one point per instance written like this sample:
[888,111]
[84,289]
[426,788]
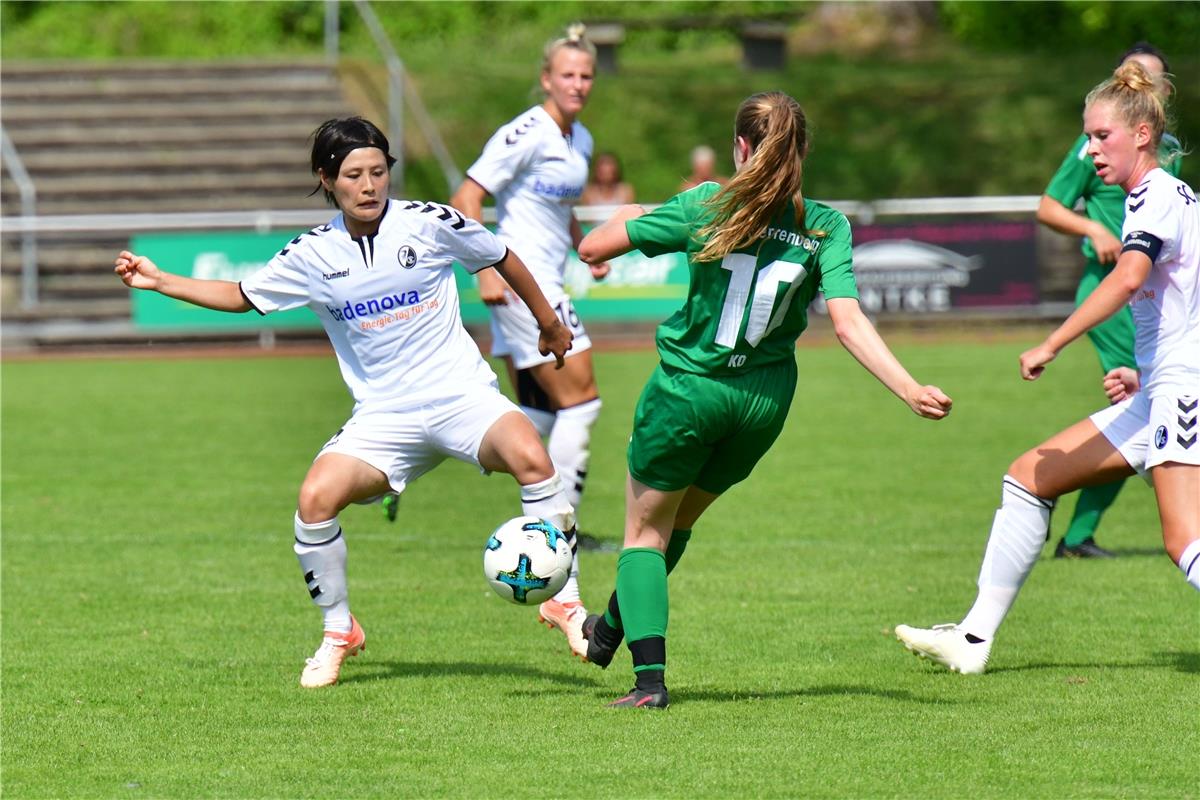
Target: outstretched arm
[554,337]
[1131,271]
[610,239]
[139,272]
[859,337]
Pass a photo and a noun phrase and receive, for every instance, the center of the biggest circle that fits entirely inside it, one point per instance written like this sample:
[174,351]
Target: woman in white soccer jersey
[1153,429]
[536,167]
[379,277]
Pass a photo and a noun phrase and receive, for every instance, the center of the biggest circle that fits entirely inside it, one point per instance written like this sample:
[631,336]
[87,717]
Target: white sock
[321,549]
[1019,530]
[543,421]
[548,501]
[1189,562]
[568,445]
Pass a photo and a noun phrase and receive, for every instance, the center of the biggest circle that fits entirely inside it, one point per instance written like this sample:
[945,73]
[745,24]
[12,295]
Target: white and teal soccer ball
[526,560]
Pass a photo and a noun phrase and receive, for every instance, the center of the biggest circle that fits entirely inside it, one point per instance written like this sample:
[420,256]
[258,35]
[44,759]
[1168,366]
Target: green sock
[642,592]
[1093,501]
[679,543]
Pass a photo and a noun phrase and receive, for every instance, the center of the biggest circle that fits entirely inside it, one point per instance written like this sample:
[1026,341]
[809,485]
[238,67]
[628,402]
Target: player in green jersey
[1100,228]
[758,253]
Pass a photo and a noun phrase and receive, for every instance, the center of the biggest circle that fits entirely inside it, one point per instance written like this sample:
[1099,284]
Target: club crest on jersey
[1160,437]
[407,257]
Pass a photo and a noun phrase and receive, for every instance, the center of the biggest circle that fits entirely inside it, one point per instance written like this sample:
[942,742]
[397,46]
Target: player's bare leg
[1177,489]
[333,482]
[604,632]
[1078,456]
[642,589]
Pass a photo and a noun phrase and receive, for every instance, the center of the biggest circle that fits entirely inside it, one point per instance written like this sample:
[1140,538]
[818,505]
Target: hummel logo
[1189,407]
[1188,198]
[1188,442]
[1135,194]
[1135,206]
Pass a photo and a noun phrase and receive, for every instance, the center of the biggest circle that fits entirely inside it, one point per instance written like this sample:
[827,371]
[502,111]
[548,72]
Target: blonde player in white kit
[379,276]
[1154,429]
[536,167]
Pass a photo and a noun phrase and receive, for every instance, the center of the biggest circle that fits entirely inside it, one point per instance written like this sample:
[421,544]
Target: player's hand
[600,270]
[1107,246]
[555,339]
[930,402]
[137,272]
[1121,383]
[493,290]
[1033,362]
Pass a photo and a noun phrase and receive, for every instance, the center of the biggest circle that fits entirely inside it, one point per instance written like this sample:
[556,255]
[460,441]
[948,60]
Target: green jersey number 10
[737,297]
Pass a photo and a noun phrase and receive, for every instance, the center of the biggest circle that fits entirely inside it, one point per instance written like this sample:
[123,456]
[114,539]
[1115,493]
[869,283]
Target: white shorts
[1152,431]
[515,331]
[404,445]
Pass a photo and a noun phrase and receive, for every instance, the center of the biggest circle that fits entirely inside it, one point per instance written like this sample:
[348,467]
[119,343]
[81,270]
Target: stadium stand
[149,137]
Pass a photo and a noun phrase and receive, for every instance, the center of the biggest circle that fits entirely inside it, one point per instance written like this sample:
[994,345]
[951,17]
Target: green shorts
[1113,338]
[707,432]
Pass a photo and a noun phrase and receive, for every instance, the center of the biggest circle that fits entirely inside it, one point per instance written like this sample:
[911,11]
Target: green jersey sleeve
[835,261]
[1071,181]
[668,228]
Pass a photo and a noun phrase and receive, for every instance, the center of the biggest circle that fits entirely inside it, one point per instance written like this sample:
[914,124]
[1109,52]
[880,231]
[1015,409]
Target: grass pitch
[155,621]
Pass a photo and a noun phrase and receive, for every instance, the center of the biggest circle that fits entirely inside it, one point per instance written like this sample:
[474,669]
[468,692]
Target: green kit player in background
[758,252]
[1100,227]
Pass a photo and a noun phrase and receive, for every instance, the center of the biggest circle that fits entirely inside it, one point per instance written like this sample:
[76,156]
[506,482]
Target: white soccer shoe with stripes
[948,645]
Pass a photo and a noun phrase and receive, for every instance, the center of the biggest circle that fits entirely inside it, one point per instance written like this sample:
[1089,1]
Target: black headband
[338,155]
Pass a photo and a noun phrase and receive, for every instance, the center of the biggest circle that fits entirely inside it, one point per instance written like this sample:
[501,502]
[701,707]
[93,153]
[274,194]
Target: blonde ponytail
[775,127]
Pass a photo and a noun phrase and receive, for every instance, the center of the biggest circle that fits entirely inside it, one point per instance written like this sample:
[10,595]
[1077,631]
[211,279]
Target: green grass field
[155,621]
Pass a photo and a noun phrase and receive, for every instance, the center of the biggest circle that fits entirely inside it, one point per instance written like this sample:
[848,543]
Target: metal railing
[28,192]
[400,90]
[264,221]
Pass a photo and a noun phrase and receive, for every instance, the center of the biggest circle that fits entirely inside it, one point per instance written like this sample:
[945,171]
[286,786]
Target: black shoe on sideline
[638,698]
[599,652]
[1085,549]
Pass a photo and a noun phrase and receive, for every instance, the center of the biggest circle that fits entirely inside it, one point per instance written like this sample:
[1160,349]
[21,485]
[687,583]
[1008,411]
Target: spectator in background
[606,187]
[704,169]
[1099,225]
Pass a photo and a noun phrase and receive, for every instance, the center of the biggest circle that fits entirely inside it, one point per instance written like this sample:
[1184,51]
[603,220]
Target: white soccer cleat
[568,618]
[326,664]
[948,645]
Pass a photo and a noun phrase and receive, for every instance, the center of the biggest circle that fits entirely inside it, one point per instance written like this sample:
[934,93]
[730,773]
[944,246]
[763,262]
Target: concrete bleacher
[118,138]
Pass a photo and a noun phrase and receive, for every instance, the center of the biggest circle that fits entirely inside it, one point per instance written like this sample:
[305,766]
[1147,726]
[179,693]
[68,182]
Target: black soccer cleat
[600,648]
[638,698]
[1085,549]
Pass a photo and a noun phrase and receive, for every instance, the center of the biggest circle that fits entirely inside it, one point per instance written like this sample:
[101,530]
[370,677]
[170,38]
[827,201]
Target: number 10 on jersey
[738,298]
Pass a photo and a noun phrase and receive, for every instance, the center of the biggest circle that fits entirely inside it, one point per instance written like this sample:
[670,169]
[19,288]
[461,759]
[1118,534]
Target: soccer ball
[526,560]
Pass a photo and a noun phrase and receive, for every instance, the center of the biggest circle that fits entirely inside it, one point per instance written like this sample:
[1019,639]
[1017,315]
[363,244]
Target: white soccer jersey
[1162,220]
[388,302]
[536,175]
